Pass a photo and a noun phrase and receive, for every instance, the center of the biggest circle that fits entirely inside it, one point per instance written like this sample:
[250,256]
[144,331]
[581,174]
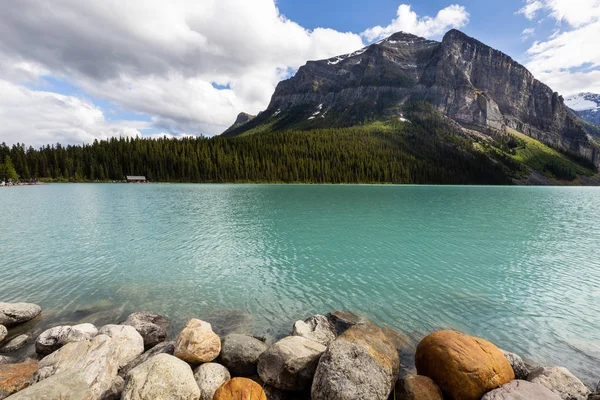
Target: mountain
[477,87]
[586,105]
[241,119]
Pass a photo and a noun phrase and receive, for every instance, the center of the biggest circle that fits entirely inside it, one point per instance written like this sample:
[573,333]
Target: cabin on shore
[136,179]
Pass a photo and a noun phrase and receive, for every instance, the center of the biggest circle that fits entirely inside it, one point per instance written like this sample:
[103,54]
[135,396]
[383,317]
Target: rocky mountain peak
[243,117]
[586,105]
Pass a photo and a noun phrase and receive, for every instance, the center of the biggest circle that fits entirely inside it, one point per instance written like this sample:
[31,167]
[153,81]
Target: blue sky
[79,70]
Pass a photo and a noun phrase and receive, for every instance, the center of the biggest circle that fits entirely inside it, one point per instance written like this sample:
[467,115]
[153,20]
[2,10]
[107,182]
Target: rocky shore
[338,356]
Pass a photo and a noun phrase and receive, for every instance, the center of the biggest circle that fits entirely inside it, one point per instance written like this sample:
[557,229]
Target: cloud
[531,9]
[453,16]
[527,33]
[569,59]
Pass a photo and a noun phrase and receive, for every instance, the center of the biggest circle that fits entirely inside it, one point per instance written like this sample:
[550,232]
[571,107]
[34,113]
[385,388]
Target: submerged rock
[343,320]
[518,365]
[55,338]
[560,381]
[290,363]
[360,364]
[197,343]
[14,344]
[151,326]
[240,389]
[463,366]
[519,389]
[162,377]
[162,348]
[239,353]
[210,377]
[16,377]
[317,328]
[12,314]
[416,387]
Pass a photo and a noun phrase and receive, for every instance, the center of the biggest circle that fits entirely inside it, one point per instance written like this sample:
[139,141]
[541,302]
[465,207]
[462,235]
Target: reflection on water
[519,266]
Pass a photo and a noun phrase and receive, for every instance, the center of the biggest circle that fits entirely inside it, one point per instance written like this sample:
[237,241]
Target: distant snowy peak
[583,102]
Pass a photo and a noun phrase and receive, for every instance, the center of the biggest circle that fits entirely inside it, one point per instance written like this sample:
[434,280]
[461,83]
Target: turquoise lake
[519,266]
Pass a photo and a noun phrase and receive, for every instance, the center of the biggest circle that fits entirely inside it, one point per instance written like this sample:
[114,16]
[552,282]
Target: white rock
[69,385]
[560,381]
[317,328]
[55,338]
[12,314]
[210,377]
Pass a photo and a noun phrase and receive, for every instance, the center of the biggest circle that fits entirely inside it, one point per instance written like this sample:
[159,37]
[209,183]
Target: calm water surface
[518,266]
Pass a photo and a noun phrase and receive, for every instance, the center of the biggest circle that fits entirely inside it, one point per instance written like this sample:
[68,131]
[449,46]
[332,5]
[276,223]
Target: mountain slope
[586,105]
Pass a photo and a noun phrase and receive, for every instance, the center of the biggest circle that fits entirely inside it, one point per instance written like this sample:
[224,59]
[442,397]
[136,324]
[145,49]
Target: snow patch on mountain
[583,102]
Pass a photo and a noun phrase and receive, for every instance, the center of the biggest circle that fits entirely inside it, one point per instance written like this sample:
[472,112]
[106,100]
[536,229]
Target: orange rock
[197,343]
[463,366]
[416,387]
[16,377]
[240,389]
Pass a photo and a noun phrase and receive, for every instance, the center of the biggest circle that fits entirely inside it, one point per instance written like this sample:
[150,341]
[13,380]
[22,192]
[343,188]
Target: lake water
[519,266]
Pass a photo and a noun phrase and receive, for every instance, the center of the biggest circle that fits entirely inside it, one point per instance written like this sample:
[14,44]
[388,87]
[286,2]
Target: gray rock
[560,381]
[98,359]
[161,348]
[210,377]
[3,332]
[360,364]
[55,338]
[343,320]
[7,360]
[69,385]
[518,365]
[151,326]
[317,328]
[12,314]
[162,377]
[239,353]
[521,390]
[290,363]
[14,344]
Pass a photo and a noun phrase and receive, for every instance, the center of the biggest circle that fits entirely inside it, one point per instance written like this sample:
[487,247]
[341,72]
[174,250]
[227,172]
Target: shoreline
[298,366]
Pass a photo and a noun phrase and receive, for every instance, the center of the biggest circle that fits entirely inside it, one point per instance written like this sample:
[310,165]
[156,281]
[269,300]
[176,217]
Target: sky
[72,71]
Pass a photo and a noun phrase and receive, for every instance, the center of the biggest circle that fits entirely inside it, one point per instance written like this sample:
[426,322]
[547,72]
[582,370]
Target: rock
[239,353]
[360,364]
[317,328]
[401,342]
[240,389]
[290,363]
[14,344]
[69,385]
[16,377]
[7,360]
[343,320]
[161,377]
[152,327]
[278,394]
[210,377]
[416,387]
[521,390]
[98,359]
[197,343]
[3,332]
[55,338]
[518,365]
[12,314]
[161,348]
[560,381]
[463,366]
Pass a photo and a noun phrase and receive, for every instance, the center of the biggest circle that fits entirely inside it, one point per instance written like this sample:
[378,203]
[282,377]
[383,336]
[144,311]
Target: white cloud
[531,9]
[527,33]
[454,16]
[569,59]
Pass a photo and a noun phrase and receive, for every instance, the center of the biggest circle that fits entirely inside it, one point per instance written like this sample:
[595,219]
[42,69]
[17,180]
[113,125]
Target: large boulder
[3,332]
[69,385]
[14,344]
[210,377]
[463,366]
[162,348]
[416,387]
[521,390]
[239,353]
[240,389]
[360,364]
[151,326]
[290,363]
[343,320]
[98,359]
[560,381]
[16,377]
[518,365]
[197,343]
[317,328]
[55,338]
[12,314]
[161,377]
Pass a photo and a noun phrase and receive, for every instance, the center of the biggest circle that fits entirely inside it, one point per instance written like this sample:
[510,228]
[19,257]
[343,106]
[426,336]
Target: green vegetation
[7,170]
[430,149]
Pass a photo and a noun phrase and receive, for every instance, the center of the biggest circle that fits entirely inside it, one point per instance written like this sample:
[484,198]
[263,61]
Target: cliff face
[463,78]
